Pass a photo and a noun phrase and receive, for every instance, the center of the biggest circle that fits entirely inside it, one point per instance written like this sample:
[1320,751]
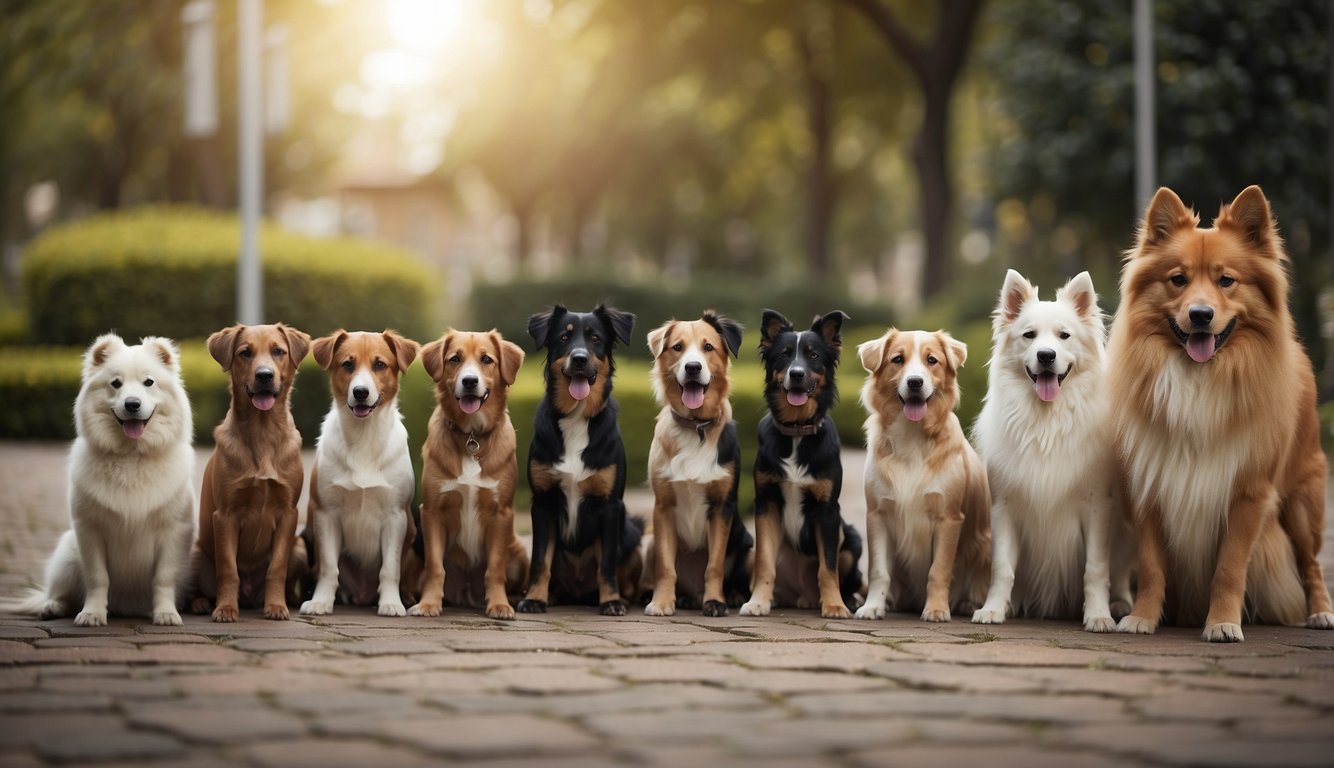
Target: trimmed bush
[171,271]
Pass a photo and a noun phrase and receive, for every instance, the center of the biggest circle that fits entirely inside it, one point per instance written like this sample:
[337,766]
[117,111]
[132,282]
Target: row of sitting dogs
[1221,476]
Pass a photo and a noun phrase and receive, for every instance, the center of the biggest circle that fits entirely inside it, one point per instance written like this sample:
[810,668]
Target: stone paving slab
[572,688]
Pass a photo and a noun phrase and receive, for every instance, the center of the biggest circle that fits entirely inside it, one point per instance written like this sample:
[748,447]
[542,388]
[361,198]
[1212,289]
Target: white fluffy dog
[1044,433]
[130,490]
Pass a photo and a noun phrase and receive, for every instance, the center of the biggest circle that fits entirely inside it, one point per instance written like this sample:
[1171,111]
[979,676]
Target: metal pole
[250,149]
[1145,152]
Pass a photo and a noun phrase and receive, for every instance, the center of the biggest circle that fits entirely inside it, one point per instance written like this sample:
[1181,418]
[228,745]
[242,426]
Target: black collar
[808,429]
[699,425]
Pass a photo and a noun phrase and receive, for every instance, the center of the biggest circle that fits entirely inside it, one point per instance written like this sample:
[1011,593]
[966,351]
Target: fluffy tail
[33,602]
[1273,590]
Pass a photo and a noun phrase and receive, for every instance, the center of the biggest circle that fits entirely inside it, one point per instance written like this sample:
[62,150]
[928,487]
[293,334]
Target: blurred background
[467,162]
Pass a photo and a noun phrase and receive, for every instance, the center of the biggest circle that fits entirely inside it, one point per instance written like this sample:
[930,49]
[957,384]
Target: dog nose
[470,383]
[579,359]
[797,374]
[132,404]
[915,383]
[1201,316]
[264,375]
[693,369]
[1046,356]
[361,393]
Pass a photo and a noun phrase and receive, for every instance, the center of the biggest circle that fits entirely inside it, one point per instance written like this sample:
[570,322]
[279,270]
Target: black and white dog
[805,554]
[583,542]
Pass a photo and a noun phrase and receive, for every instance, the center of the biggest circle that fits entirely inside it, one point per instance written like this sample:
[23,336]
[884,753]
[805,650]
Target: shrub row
[171,271]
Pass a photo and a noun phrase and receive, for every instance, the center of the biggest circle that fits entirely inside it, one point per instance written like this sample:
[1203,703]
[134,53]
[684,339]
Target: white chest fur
[469,485]
[693,467]
[571,468]
[795,481]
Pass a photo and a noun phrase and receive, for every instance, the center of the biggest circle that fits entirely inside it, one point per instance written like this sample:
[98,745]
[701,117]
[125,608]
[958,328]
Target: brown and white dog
[700,550]
[927,501]
[468,476]
[247,505]
[360,511]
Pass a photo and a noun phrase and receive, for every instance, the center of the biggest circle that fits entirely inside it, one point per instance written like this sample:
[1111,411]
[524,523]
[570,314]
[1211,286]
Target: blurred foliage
[171,271]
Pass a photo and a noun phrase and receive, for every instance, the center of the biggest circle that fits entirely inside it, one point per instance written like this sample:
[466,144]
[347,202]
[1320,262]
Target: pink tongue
[362,411]
[1200,347]
[914,409]
[1048,387]
[797,397]
[263,401]
[579,387]
[470,403]
[134,429]
[692,395]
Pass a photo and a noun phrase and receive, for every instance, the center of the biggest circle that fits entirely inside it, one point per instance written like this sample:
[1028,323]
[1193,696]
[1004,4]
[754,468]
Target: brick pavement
[574,688]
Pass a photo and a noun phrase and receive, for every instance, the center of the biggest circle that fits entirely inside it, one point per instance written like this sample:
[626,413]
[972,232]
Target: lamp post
[1145,151]
[250,153]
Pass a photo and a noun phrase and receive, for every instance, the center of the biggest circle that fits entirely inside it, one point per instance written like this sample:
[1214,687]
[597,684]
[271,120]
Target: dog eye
[456,359]
[708,347]
[348,365]
[896,359]
[1179,280]
[148,382]
[565,337]
[1064,335]
[931,360]
[678,346]
[593,338]
[1030,334]
[115,383]
[379,365]
[1226,280]
[486,360]
[813,355]
[279,351]
[246,353]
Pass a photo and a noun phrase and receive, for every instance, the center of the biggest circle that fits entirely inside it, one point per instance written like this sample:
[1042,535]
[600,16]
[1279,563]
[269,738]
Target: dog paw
[805,603]
[715,608]
[276,612]
[835,611]
[500,611]
[527,605]
[391,608]
[225,613]
[1223,632]
[657,608]
[1324,620]
[870,611]
[938,615]
[317,608]
[686,603]
[1120,609]
[612,608]
[91,619]
[169,618]
[424,609]
[1132,624]
[1099,624]
[51,609]
[201,605]
[754,608]
[988,616]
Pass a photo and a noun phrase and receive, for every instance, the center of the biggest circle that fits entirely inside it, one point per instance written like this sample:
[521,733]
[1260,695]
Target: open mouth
[581,384]
[1201,346]
[798,397]
[361,410]
[263,400]
[914,407]
[692,394]
[1047,383]
[133,428]
[473,403]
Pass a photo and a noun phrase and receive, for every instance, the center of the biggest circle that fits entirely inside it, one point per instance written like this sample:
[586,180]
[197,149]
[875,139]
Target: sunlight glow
[424,26]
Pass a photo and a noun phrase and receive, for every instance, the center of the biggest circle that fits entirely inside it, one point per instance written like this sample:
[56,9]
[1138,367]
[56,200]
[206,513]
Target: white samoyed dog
[131,498]
[1059,543]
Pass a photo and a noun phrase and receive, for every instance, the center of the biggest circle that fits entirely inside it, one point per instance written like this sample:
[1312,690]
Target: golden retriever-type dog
[927,500]
[247,505]
[1216,425]
[360,514]
[468,477]
[699,550]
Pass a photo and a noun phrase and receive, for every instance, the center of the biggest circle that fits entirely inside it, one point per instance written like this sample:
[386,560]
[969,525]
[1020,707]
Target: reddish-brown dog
[468,476]
[247,505]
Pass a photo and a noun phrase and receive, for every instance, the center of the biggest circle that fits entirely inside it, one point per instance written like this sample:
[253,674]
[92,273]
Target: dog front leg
[392,532]
[1004,558]
[275,583]
[499,533]
[96,580]
[1249,514]
[608,547]
[664,552]
[433,551]
[329,545]
[1097,569]
[720,529]
[168,560]
[1302,518]
[828,539]
[767,535]
[225,537]
[948,521]
[1152,588]
[544,551]
[878,514]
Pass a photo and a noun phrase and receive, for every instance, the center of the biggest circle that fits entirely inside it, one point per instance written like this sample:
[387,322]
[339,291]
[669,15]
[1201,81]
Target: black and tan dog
[584,545]
[805,554]
[699,551]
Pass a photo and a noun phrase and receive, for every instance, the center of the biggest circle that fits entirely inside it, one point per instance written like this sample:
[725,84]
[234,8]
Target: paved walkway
[572,688]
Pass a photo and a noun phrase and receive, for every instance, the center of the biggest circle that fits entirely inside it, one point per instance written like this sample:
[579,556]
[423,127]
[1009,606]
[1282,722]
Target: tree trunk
[817,57]
[523,240]
[931,159]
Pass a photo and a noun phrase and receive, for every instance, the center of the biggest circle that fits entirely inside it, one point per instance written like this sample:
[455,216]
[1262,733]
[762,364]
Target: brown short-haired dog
[468,476]
[247,505]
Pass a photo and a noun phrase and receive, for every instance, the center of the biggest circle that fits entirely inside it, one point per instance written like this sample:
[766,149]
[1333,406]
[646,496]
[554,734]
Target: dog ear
[324,347]
[829,325]
[101,349]
[1079,292]
[1165,215]
[1014,294]
[298,343]
[620,323]
[222,345]
[657,339]
[872,353]
[433,355]
[539,325]
[771,325]
[405,349]
[511,358]
[731,330]
[956,352]
[165,350]
[1249,216]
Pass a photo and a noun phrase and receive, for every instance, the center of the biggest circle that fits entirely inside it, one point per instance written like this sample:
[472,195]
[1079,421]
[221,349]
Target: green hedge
[171,271]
